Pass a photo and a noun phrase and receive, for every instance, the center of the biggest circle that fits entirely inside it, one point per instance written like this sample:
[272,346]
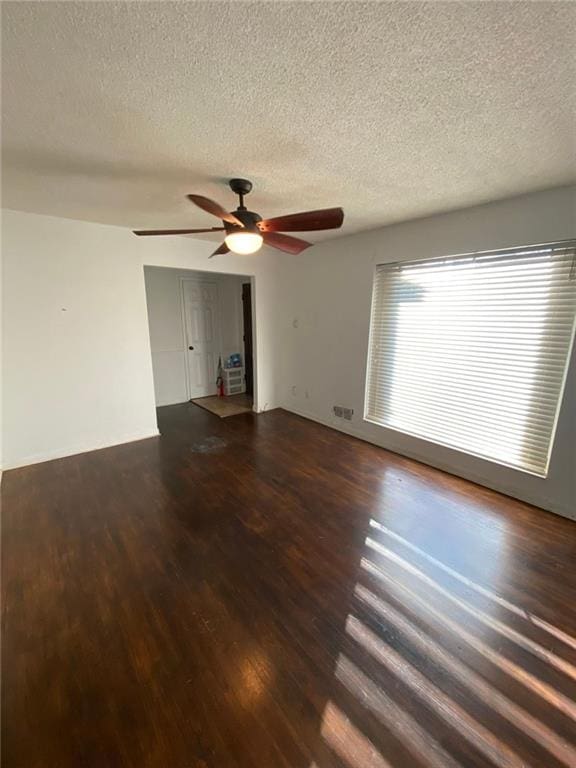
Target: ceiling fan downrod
[241,187]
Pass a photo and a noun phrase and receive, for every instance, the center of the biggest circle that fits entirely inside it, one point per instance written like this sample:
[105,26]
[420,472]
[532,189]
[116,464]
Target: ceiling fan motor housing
[248,218]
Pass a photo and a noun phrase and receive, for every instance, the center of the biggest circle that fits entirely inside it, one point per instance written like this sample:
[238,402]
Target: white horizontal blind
[471,351]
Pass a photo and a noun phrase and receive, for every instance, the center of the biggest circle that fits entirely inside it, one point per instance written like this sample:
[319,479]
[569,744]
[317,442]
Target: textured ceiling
[112,112]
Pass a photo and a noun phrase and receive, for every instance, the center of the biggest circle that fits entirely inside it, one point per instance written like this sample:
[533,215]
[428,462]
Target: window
[471,351]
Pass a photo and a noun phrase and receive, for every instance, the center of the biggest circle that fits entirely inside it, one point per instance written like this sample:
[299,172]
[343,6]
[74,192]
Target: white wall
[169,348]
[231,314]
[1,365]
[324,328]
[76,356]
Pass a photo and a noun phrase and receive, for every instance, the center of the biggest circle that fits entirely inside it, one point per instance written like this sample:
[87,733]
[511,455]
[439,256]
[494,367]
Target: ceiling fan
[246,231]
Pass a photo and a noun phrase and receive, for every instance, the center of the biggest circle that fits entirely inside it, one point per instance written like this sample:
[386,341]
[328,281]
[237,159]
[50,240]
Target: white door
[202,336]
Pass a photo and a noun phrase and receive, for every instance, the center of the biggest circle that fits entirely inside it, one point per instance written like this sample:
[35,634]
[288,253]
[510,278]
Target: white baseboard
[62,453]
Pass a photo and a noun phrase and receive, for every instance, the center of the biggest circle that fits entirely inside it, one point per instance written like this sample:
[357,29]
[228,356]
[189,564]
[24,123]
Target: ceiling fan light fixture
[244,242]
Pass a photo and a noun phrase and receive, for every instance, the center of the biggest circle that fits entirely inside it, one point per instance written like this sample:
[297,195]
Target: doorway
[196,320]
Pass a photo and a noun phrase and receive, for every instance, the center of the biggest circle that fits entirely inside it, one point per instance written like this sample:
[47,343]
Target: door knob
[190,347]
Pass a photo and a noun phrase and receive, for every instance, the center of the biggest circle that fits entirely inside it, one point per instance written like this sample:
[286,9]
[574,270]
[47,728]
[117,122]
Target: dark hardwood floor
[264,592]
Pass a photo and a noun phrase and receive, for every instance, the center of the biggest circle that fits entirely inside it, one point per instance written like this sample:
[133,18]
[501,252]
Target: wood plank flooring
[264,592]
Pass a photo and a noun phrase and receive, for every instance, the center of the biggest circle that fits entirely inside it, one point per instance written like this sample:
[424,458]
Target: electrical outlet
[338,411]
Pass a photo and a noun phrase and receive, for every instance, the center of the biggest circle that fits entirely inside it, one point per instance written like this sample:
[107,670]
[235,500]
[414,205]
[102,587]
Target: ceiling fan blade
[285,242]
[327,218]
[210,206]
[148,232]
[220,250]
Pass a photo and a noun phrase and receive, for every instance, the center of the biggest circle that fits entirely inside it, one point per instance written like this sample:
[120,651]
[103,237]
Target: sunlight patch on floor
[429,599]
